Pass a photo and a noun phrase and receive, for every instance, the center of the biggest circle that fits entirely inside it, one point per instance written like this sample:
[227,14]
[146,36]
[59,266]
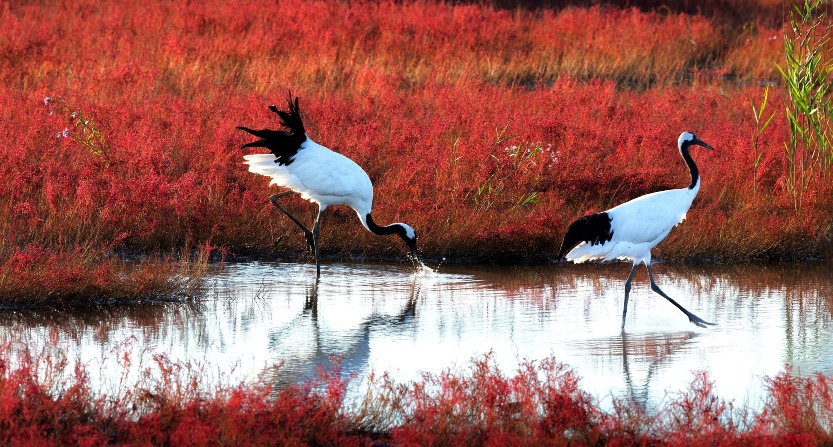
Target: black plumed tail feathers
[292,119]
[283,144]
[593,229]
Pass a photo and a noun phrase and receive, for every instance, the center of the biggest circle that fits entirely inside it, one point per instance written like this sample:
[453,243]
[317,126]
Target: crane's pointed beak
[700,142]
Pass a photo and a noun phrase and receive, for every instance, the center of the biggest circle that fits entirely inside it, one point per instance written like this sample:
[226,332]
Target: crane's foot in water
[699,322]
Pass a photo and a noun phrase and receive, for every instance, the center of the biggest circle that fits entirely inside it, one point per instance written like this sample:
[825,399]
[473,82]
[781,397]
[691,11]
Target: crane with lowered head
[319,175]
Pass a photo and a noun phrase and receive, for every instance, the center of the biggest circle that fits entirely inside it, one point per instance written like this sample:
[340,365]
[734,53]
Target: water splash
[422,270]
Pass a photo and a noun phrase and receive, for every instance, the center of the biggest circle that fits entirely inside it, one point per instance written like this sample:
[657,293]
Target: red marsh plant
[37,275]
[474,183]
[489,138]
[539,404]
[167,406]
[337,46]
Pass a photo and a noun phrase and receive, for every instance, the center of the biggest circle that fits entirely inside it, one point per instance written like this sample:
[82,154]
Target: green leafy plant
[810,108]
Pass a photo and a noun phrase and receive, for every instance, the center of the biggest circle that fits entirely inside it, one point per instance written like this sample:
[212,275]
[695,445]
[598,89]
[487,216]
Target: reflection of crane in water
[302,350]
[653,349]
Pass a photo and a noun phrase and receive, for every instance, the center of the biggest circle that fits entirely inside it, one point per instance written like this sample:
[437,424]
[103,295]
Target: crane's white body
[638,226]
[319,175]
[629,231]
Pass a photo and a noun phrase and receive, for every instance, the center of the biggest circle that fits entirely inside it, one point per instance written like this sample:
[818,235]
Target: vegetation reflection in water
[386,318]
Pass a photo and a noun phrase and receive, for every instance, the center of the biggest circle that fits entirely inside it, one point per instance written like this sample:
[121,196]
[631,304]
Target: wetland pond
[378,317]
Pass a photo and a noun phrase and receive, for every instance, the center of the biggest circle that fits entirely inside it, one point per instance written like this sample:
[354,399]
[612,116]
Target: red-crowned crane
[630,230]
[318,175]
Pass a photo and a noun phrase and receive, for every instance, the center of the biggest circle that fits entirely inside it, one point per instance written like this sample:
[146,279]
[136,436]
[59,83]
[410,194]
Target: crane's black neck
[692,167]
[386,230]
[405,232]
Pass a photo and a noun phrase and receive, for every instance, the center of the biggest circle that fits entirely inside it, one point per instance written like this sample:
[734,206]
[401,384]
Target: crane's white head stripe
[685,136]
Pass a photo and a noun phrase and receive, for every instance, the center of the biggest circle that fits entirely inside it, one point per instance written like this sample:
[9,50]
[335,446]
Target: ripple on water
[413,318]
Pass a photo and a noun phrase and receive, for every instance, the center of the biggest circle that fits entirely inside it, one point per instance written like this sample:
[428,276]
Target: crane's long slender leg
[691,317]
[315,232]
[274,199]
[627,292]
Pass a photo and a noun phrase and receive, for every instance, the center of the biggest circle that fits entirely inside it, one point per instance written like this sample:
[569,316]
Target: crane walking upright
[629,231]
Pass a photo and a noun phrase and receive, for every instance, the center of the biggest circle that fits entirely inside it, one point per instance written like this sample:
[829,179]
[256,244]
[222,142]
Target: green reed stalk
[502,187]
[760,127]
[810,110]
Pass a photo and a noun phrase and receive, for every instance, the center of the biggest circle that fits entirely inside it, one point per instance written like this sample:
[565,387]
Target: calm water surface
[387,318]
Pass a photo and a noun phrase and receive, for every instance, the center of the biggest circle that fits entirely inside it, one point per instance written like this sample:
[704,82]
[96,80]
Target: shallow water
[387,318]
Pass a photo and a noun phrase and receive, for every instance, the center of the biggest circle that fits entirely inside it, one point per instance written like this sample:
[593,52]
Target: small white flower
[73,115]
[65,133]
[47,100]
